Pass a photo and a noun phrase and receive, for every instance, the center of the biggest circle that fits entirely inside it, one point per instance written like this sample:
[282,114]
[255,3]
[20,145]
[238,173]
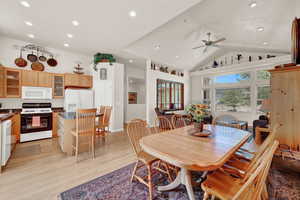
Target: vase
[199,126]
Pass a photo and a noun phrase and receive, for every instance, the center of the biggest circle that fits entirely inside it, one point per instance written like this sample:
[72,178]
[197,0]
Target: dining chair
[136,130]
[226,187]
[178,121]
[102,126]
[162,124]
[85,127]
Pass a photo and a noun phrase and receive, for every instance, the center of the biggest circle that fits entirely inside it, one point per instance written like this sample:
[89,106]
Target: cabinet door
[54,124]
[86,81]
[16,123]
[58,86]
[13,83]
[29,78]
[71,80]
[44,79]
[2,82]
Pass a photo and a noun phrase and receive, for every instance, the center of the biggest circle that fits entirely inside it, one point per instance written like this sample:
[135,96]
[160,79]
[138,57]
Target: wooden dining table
[191,153]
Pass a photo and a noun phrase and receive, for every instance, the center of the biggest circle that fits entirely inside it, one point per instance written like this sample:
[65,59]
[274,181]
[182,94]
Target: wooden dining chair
[102,126]
[136,130]
[85,127]
[162,124]
[178,121]
[226,187]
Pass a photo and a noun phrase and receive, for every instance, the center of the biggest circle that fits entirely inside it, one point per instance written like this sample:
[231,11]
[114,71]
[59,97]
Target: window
[233,99]
[263,93]
[170,95]
[232,78]
[263,75]
[206,96]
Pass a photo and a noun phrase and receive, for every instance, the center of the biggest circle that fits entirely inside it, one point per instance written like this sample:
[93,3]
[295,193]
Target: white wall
[66,62]
[151,78]
[135,110]
[110,92]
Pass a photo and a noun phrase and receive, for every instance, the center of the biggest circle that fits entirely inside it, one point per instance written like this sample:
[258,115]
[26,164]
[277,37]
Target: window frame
[172,96]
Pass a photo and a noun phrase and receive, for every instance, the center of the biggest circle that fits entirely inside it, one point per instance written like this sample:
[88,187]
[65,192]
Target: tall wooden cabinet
[285,105]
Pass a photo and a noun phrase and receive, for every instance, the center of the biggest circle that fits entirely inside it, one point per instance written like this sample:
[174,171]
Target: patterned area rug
[284,185]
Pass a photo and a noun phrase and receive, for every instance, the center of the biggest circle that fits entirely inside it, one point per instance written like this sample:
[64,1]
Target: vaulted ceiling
[175,26]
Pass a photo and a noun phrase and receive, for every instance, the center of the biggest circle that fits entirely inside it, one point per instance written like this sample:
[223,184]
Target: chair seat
[222,185]
[82,133]
[101,125]
[146,158]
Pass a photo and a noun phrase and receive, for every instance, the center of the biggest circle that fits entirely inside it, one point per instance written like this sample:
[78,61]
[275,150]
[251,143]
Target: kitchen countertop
[6,116]
[68,115]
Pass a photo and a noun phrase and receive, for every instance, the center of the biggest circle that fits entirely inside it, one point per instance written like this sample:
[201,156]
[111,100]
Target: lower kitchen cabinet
[54,124]
[16,128]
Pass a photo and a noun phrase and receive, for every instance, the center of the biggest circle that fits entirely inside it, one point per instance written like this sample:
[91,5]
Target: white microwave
[36,93]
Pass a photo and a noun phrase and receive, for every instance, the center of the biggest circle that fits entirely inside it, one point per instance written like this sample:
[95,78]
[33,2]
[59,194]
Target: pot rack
[35,48]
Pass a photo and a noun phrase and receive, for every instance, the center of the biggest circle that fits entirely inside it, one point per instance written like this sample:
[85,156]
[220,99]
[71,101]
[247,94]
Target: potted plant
[198,112]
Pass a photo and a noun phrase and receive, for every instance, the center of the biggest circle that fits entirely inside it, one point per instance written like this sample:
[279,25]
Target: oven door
[36,122]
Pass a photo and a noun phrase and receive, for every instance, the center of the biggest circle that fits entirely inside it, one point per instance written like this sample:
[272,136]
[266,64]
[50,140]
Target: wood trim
[285,69]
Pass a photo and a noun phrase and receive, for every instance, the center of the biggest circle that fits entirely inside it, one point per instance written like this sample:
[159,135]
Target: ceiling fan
[209,43]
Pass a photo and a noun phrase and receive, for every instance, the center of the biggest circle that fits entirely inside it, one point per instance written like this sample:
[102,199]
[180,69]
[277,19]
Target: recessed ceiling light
[157,47]
[131,61]
[253,4]
[28,23]
[25,4]
[66,45]
[176,56]
[69,35]
[260,29]
[132,13]
[30,35]
[75,23]
[265,43]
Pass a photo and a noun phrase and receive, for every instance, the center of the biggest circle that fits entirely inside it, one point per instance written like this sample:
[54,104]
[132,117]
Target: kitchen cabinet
[13,83]
[16,128]
[44,79]
[29,78]
[86,81]
[2,81]
[54,124]
[58,85]
[79,81]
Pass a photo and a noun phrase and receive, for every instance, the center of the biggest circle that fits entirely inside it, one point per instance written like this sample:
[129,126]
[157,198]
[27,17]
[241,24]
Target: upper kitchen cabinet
[2,82]
[13,83]
[29,78]
[79,81]
[58,85]
[36,79]
[86,81]
[44,79]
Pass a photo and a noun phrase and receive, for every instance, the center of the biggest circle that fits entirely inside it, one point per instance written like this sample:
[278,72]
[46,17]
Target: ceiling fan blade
[199,47]
[219,40]
[205,49]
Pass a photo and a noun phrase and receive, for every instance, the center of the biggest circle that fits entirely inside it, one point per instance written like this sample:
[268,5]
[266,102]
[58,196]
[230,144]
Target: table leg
[183,177]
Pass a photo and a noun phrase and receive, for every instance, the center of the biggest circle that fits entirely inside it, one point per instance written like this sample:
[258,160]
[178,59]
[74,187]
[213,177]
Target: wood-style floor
[39,171]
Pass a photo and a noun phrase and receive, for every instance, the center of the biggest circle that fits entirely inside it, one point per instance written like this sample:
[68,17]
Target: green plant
[198,111]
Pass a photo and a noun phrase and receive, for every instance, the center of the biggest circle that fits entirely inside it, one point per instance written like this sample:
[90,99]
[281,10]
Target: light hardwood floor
[38,170]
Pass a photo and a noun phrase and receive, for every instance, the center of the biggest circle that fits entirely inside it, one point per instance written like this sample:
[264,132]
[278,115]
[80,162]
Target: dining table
[181,148]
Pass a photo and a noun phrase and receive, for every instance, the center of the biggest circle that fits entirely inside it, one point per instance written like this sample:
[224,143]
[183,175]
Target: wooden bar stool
[85,127]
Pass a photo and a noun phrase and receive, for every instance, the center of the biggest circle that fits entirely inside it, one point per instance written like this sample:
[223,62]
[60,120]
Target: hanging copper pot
[42,58]
[32,58]
[52,62]
[21,62]
[296,41]
[37,66]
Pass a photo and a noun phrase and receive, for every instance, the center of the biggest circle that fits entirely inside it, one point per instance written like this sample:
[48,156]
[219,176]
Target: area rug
[117,186]
[282,185]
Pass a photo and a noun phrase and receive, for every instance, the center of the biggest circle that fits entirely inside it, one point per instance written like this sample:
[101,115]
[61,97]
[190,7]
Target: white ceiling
[105,26]
[176,25]
[233,19]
